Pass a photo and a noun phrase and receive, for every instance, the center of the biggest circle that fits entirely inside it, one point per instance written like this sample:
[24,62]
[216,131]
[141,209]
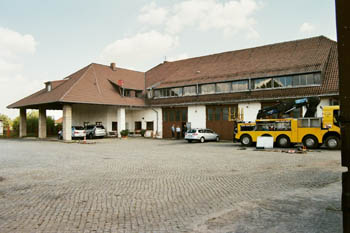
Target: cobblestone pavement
[140,185]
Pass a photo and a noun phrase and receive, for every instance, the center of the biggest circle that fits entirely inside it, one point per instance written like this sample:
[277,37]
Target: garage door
[220,118]
[173,116]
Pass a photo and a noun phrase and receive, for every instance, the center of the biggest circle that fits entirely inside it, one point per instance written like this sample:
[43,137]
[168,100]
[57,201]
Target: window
[296,80]
[171,115]
[149,125]
[217,114]
[223,87]
[184,115]
[307,79]
[177,115]
[176,91]
[138,94]
[138,125]
[210,114]
[190,90]
[207,89]
[149,94]
[164,92]
[165,116]
[114,126]
[49,87]
[127,93]
[282,82]
[156,93]
[240,85]
[225,113]
[262,83]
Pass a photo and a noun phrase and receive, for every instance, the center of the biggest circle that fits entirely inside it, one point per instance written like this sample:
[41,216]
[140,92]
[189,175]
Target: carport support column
[42,123]
[22,122]
[121,120]
[67,122]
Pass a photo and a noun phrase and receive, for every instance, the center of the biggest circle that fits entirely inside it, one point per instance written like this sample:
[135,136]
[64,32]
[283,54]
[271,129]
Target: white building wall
[324,102]
[145,115]
[250,110]
[94,113]
[197,116]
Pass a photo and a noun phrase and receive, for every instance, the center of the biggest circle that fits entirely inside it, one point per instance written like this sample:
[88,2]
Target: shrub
[124,132]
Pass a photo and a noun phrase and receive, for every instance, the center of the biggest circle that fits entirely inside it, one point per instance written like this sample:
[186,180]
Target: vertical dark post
[343,31]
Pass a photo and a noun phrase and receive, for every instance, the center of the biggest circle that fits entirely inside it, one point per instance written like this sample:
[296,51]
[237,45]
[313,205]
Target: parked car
[77,132]
[95,131]
[201,135]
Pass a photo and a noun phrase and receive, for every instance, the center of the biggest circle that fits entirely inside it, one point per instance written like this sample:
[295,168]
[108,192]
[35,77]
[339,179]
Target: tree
[33,124]
[6,120]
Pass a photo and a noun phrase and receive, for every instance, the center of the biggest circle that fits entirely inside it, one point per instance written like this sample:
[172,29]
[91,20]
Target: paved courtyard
[140,185]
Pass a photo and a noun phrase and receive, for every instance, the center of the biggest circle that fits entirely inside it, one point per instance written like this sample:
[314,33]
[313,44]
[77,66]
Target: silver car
[201,135]
[77,132]
[95,131]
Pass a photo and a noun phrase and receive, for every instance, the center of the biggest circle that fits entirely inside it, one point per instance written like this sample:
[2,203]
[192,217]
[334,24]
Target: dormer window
[48,86]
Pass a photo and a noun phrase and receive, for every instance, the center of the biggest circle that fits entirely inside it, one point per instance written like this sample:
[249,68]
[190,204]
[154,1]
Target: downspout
[157,120]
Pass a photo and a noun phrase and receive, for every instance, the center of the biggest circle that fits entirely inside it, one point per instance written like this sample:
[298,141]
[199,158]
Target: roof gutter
[239,101]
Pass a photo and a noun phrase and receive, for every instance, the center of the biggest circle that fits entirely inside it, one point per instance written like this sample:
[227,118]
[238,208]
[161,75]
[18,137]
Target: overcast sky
[48,40]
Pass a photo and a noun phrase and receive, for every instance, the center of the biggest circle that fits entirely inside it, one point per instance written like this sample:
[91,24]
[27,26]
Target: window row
[203,89]
[242,85]
[287,81]
[170,115]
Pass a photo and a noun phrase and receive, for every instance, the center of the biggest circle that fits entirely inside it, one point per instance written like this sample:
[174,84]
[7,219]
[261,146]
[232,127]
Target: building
[209,91]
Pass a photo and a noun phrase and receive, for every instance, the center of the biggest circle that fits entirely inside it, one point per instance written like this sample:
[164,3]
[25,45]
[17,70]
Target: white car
[95,131]
[77,132]
[201,135]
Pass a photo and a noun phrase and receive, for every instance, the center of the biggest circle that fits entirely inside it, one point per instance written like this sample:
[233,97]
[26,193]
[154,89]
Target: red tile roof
[318,54]
[89,85]
[271,60]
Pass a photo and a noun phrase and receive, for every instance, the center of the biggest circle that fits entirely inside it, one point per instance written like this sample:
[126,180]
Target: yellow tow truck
[310,131]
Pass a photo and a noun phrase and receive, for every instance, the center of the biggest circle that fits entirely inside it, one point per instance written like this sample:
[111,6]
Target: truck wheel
[246,140]
[283,141]
[332,142]
[310,142]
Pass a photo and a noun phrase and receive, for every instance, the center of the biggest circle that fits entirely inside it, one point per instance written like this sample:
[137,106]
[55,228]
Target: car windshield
[78,127]
[192,131]
[90,127]
[100,127]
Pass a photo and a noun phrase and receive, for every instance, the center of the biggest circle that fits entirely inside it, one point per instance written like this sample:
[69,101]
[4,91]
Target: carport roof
[93,84]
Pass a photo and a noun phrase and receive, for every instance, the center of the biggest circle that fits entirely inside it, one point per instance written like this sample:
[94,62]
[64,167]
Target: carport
[96,93]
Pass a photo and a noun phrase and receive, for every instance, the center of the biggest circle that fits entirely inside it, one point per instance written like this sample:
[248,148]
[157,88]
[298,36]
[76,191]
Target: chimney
[113,66]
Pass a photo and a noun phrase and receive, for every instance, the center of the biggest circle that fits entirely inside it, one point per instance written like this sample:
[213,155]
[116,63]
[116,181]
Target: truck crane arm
[289,105]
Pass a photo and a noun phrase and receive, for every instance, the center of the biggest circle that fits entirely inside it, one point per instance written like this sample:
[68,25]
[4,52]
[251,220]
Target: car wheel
[283,141]
[189,141]
[217,139]
[310,142]
[202,140]
[332,142]
[91,136]
[246,140]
